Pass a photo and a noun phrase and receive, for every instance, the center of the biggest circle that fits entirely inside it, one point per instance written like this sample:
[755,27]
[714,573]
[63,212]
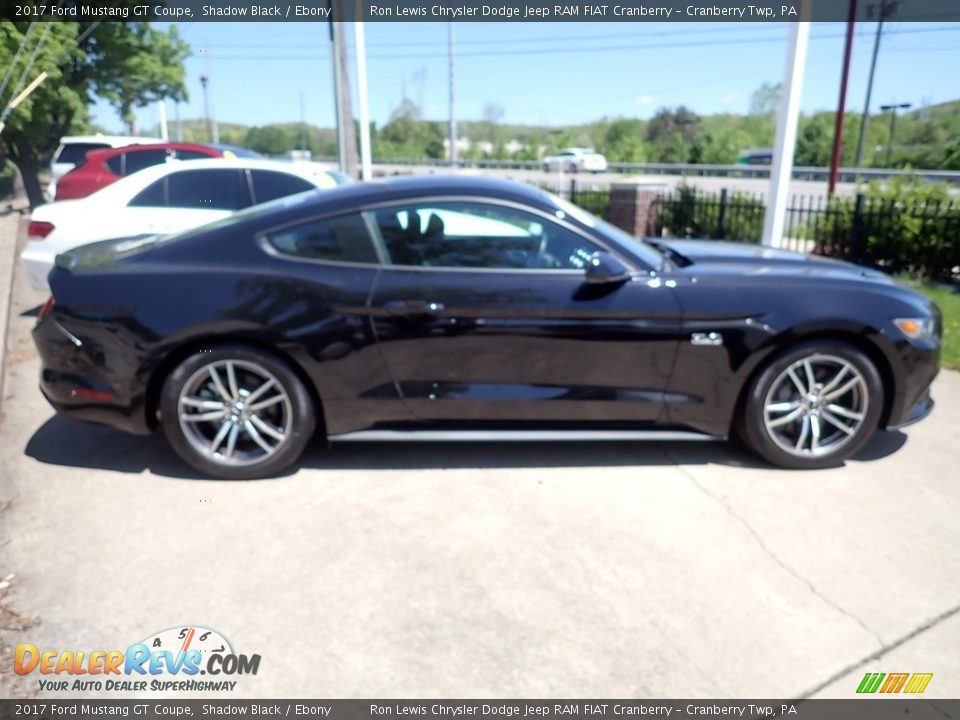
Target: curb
[9,233]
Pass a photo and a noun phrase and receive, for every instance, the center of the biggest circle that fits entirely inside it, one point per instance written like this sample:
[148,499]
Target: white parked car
[575,160]
[74,148]
[161,200]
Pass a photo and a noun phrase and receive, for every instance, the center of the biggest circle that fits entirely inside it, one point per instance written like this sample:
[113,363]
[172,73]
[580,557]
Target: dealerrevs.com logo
[172,659]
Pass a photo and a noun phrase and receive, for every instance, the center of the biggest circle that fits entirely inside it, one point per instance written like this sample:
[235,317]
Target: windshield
[645,252]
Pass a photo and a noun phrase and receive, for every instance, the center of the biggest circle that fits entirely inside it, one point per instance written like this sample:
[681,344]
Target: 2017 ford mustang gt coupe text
[469,308]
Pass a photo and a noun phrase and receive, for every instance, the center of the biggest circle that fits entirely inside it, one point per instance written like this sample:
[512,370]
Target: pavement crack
[773,556]
[919,630]
[940,710]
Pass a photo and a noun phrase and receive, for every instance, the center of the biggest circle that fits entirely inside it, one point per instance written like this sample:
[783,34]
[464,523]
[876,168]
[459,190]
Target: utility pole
[337,94]
[887,9]
[781,168]
[453,117]
[303,126]
[893,123]
[346,134]
[842,103]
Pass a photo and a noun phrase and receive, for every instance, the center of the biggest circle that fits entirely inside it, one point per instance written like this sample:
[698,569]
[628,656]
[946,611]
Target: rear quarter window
[340,239]
[154,195]
[140,159]
[74,153]
[270,185]
[115,164]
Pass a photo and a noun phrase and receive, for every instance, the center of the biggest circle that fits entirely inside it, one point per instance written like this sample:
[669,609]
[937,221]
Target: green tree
[765,99]
[492,115]
[407,136]
[623,141]
[672,134]
[815,140]
[271,139]
[128,64]
[723,146]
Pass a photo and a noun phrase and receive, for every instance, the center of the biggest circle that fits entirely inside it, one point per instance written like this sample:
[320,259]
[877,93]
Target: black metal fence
[688,212]
[895,236]
[593,197]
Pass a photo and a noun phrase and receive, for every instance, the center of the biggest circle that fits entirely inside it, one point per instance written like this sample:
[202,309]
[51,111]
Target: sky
[549,73]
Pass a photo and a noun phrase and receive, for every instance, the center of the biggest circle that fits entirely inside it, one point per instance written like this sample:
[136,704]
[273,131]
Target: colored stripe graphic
[870,682]
[918,682]
[894,683]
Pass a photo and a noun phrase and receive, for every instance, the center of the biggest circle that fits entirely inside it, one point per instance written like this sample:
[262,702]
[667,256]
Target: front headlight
[917,328]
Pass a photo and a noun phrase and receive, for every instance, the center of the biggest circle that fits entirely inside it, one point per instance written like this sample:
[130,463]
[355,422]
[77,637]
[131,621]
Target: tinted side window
[340,239]
[140,159]
[269,185]
[75,152]
[462,235]
[115,164]
[154,195]
[191,155]
[208,190]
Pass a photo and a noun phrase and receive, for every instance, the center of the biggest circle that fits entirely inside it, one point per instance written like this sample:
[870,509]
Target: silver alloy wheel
[234,412]
[816,405]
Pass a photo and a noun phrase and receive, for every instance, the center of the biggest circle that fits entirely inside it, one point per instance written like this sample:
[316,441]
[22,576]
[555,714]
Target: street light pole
[887,9]
[893,123]
[206,105]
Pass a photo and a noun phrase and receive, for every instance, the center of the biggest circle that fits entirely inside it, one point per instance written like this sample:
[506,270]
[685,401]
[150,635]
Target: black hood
[747,258]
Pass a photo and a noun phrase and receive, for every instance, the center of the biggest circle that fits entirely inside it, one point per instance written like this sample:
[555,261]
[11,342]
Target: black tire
[572,168]
[864,399]
[290,413]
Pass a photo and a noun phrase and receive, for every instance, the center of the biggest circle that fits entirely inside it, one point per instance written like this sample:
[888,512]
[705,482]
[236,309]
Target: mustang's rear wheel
[813,406]
[236,413]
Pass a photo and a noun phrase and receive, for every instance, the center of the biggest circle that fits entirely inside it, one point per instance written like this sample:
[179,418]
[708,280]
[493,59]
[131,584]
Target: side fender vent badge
[712,339]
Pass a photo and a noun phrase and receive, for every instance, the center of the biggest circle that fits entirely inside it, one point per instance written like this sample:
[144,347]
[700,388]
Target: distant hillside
[927,138]
[273,139]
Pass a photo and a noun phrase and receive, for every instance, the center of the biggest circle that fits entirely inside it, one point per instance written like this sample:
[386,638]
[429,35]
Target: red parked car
[102,167]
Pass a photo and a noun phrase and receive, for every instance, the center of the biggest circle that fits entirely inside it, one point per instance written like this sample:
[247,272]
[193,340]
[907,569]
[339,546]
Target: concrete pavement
[541,570]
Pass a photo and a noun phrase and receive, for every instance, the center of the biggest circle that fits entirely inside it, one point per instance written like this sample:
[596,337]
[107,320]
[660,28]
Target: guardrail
[801,172]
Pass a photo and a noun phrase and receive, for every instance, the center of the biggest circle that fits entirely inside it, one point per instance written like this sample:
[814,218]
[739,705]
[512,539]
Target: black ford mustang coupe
[467,308]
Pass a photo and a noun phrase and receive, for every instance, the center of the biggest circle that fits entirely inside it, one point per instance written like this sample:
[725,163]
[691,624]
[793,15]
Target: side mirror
[604,269]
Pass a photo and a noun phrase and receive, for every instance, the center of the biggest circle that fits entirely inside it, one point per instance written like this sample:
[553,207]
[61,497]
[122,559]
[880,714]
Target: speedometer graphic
[189,637]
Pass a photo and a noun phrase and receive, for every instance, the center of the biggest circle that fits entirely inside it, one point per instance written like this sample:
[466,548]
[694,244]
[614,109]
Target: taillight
[47,307]
[39,229]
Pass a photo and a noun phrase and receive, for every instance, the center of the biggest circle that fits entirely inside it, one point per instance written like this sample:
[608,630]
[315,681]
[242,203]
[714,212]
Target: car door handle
[412,308]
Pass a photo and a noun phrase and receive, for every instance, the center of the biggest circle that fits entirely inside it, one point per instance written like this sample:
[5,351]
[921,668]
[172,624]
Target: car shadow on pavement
[65,443]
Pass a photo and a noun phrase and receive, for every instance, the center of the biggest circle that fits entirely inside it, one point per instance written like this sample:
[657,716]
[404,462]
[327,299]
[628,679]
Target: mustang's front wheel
[236,413]
[813,406]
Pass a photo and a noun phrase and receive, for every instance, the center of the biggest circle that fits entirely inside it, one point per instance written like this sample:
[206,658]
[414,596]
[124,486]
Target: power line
[509,41]
[577,39]
[33,58]
[16,58]
[566,50]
